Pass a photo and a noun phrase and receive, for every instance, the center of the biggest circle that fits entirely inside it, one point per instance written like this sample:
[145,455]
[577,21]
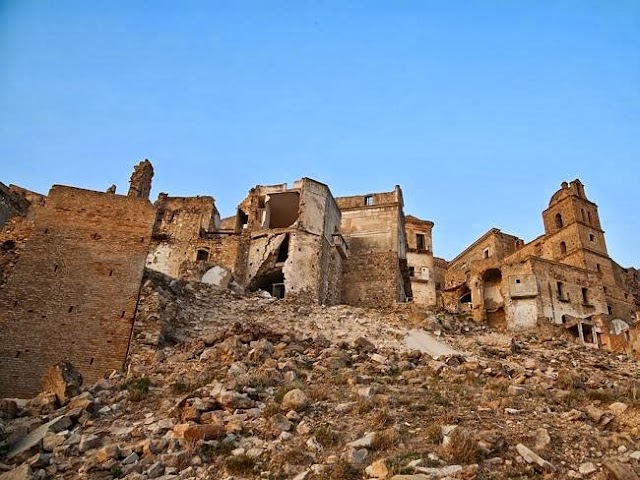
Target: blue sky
[478,109]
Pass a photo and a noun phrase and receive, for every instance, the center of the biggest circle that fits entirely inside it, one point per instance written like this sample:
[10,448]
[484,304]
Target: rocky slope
[223,386]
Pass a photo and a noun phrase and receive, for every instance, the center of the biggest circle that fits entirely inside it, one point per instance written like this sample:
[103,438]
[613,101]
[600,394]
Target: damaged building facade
[285,241]
[72,289]
[564,277]
[72,264]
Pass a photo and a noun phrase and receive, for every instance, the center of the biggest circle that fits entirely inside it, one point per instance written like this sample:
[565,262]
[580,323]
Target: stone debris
[531,457]
[234,387]
[63,380]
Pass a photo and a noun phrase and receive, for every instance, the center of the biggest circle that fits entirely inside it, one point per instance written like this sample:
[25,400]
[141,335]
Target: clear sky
[478,109]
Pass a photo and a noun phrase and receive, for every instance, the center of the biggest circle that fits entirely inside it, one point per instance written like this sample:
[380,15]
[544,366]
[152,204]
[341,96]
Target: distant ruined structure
[72,264]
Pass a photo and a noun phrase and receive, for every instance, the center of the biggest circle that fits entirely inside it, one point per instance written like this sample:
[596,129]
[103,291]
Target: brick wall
[74,289]
[370,279]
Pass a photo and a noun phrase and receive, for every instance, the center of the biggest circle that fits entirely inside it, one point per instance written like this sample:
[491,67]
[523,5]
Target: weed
[385,439]
[568,380]
[213,449]
[462,448]
[382,418]
[398,464]
[138,388]
[439,399]
[238,464]
[326,435]
[318,393]
[341,470]
[433,433]
[363,406]
[270,410]
[116,471]
[191,385]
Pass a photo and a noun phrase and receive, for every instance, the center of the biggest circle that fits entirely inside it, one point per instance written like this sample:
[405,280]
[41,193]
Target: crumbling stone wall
[373,226]
[74,290]
[420,260]
[290,239]
[11,205]
[185,226]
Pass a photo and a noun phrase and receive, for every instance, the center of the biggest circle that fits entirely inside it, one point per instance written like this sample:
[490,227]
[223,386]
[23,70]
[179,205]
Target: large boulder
[218,276]
[63,380]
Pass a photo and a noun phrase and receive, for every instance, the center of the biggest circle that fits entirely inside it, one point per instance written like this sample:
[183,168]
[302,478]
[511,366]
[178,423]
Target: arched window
[563,248]
[559,223]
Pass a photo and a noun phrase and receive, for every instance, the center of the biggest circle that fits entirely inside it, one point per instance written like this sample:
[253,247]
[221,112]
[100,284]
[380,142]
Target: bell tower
[574,233]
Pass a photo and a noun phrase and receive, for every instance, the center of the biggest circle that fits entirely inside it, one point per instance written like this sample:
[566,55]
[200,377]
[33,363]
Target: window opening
[202,255]
[283,251]
[559,222]
[585,296]
[561,292]
[420,241]
[563,247]
[368,200]
[412,271]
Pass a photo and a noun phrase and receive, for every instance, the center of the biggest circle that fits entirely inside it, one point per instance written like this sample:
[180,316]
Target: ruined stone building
[425,271]
[72,264]
[73,291]
[285,241]
[564,277]
[376,272]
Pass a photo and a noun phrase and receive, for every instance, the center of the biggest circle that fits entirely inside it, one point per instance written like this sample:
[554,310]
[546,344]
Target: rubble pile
[225,386]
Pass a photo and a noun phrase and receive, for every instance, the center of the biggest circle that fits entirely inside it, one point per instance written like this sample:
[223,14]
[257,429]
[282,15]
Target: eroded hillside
[222,385]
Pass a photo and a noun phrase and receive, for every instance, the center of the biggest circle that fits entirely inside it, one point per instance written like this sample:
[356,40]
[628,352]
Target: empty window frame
[202,255]
[420,244]
[585,296]
[563,248]
[368,200]
[559,222]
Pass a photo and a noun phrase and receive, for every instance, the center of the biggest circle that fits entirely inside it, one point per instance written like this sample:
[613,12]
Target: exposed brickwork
[74,290]
[371,279]
[375,272]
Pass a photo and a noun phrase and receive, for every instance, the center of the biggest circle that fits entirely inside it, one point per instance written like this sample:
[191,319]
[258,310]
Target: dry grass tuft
[462,448]
[382,418]
[326,435]
[239,464]
[386,439]
[341,470]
